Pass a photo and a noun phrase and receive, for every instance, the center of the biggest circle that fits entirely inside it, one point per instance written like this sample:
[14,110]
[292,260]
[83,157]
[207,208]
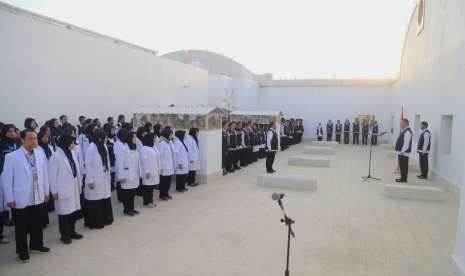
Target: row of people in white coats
[31,173]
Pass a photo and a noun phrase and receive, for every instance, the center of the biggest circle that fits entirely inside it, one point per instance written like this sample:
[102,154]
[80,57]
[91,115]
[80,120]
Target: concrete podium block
[391,154]
[406,191]
[318,150]
[287,181]
[309,161]
[325,143]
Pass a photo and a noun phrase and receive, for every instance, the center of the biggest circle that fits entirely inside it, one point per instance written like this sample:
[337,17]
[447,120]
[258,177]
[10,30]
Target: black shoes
[42,249]
[129,213]
[421,177]
[65,241]
[401,180]
[76,236]
[24,257]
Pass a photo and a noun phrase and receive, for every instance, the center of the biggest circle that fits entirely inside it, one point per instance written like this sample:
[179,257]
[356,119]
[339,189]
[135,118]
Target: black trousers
[191,177]
[236,157]
[365,139]
[329,137]
[403,166]
[243,157]
[128,199]
[338,138]
[355,139]
[261,153]
[374,140]
[118,191]
[181,182]
[424,164]
[3,217]
[112,181]
[320,138]
[270,160]
[223,160]
[284,143]
[165,184]
[147,194]
[66,225]
[107,211]
[346,138]
[29,220]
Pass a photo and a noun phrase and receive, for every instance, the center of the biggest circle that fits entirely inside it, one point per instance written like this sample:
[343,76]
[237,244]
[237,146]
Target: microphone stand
[365,178]
[288,221]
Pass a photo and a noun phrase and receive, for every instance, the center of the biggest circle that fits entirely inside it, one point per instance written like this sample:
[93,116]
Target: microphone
[277,196]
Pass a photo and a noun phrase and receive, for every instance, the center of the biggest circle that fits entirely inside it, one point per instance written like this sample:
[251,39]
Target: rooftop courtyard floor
[232,227]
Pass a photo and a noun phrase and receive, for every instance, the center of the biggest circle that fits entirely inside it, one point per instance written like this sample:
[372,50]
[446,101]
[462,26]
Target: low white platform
[415,192]
[391,154]
[309,161]
[325,143]
[287,181]
[318,150]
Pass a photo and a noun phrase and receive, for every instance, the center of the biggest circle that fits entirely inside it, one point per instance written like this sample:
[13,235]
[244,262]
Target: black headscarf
[140,132]
[122,133]
[166,132]
[89,132]
[64,142]
[180,134]
[8,144]
[149,140]
[156,129]
[99,140]
[28,123]
[193,132]
[107,128]
[148,127]
[128,140]
[44,146]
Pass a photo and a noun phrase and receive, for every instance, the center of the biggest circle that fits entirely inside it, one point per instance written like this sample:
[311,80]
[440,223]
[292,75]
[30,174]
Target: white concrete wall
[47,69]
[318,104]
[220,88]
[431,85]
[230,92]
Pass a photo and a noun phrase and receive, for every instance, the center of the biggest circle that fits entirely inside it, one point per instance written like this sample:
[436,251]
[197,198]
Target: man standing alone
[271,147]
[424,145]
[403,149]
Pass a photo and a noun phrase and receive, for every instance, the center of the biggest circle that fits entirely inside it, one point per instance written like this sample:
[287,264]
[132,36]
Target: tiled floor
[233,227]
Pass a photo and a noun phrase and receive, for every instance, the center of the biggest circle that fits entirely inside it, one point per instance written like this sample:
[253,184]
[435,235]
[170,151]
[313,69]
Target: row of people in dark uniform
[244,143]
[73,170]
[348,129]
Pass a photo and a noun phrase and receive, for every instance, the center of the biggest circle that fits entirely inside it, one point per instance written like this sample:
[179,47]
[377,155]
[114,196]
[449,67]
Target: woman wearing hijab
[47,150]
[128,163]
[118,149]
[150,165]
[110,131]
[148,127]
[30,123]
[157,131]
[192,144]
[182,161]
[65,185]
[54,125]
[141,132]
[97,191]
[167,162]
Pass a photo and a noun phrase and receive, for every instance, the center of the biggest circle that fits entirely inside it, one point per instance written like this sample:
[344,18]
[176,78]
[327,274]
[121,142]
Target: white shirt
[269,137]
[406,144]
[427,137]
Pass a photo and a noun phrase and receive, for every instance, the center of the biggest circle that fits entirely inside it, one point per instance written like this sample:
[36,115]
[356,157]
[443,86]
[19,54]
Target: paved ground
[232,227]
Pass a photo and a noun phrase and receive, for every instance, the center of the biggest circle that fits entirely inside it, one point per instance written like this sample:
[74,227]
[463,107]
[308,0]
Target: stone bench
[309,161]
[407,191]
[318,150]
[325,143]
[287,181]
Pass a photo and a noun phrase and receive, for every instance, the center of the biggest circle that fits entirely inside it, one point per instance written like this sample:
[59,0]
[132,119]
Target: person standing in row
[356,132]
[365,132]
[346,131]
[319,132]
[233,148]
[192,143]
[424,146]
[271,147]
[403,149]
[329,131]
[374,133]
[167,162]
[338,131]
[118,148]
[182,161]
[26,188]
[128,162]
[97,188]
[150,165]
[224,146]
[65,186]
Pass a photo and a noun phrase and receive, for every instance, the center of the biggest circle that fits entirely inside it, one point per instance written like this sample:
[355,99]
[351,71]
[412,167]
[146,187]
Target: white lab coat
[96,173]
[84,143]
[193,153]
[150,163]
[128,163]
[17,179]
[63,183]
[78,153]
[3,206]
[181,157]
[167,157]
[118,150]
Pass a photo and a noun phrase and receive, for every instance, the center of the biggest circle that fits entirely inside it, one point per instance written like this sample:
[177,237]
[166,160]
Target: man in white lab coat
[26,189]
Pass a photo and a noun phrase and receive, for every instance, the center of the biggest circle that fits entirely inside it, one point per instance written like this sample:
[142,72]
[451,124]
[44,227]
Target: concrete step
[318,150]
[414,192]
[287,181]
[309,161]
[325,143]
